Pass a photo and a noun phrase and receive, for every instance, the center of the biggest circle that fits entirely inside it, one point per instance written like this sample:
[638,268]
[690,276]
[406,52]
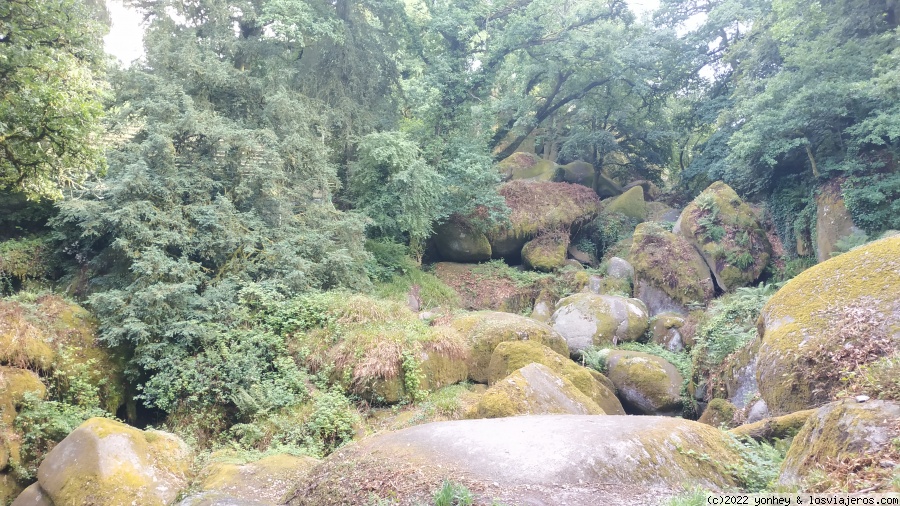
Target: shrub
[453,494]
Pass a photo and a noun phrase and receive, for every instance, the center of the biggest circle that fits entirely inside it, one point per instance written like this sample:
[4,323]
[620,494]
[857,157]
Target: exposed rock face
[526,166]
[107,462]
[778,427]
[647,384]
[512,355]
[264,482]
[719,412]
[843,304]
[528,460]
[739,374]
[484,330]
[534,390]
[619,268]
[458,241]
[839,431]
[586,319]
[665,331]
[669,274]
[577,172]
[833,222]
[726,232]
[630,203]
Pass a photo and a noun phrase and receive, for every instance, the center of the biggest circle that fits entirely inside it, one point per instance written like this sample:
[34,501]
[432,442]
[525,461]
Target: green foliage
[388,259]
[874,200]
[760,466]
[792,208]
[848,242]
[413,377]
[23,260]
[453,494]
[51,74]
[694,497]
[730,323]
[879,379]
[333,420]
[610,228]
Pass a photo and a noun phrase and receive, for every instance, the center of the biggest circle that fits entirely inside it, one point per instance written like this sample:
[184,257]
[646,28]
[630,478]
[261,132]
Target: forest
[246,214]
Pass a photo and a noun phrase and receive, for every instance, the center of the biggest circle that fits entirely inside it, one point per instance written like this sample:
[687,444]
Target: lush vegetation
[217,204]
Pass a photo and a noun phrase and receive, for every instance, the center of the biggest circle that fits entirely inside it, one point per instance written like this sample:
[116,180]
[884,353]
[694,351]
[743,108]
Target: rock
[53,334]
[657,211]
[457,241]
[539,206]
[107,462]
[726,232]
[219,499]
[543,307]
[486,329]
[10,489]
[630,203]
[580,256]
[265,481]
[837,432]
[619,268]
[577,172]
[756,411]
[647,384]
[547,252]
[833,221]
[526,166]
[718,412]
[586,319]
[607,186]
[528,460]
[34,495]
[779,427]
[739,374]
[14,384]
[809,324]
[512,355]
[535,389]
[443,365]
[664,330]
[669,274]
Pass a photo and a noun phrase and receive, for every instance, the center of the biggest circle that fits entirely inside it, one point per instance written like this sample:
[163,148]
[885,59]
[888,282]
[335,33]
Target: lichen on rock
[587,319]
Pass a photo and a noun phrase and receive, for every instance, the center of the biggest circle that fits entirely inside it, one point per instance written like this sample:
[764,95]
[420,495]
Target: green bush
[453,494]
[761,463]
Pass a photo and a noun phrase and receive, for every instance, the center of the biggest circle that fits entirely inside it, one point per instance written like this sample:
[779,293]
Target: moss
[526,166]
[534,389]
[719,412]
[833,221]
[727,233]
[267,479]
[546,253]
[630,203]
[458,241]
[545,206]
[796,327]
[778,427]
[513,355]
[647,384]
[14,384]
[578,172]
[669,263]
[609,319]
[485,330]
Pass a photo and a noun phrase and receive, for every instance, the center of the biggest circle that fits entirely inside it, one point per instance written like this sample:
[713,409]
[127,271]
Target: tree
[51,92]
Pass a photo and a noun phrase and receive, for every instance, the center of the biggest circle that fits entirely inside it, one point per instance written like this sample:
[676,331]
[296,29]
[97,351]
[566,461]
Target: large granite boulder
[833,221]
[577,172]
[264,482]
[587,319]
[512,355]
[646,384]
[630,203]
[550,459]
[526,166]
[839,432]
[834,315]
[535,389]
[546,252]
[484,330]
[726,232]
[107,462]
[669,274]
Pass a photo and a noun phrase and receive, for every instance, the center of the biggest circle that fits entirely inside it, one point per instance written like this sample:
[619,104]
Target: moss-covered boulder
[630,203]
[14,384]
[607,186]
[718,412]
[484,330]
[840,432]
[458,241]
[107,462]
[529,460]
[587,319]
[543,306]
[535,389]
[664,331]
[512,355]
[33,496]
[577,172]
[778,427]
[265,481]
[539,206]
[619,268]
[646,384]
[833,221]
[546,252]
[726,232]
[526,166]
[10,489]
[821,322]
[738,374]
[53,334]
[669,274]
